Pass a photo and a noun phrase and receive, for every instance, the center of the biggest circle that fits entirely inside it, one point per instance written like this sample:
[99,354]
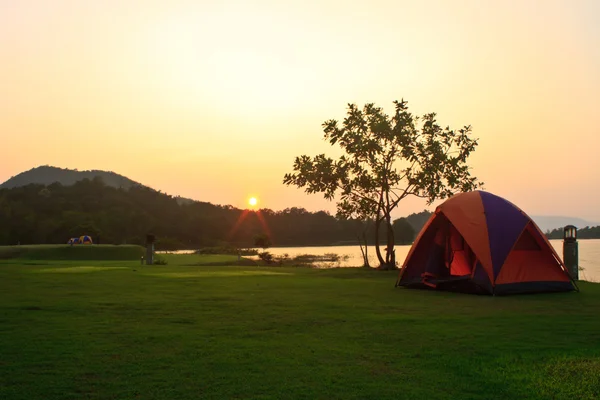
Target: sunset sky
[212,100]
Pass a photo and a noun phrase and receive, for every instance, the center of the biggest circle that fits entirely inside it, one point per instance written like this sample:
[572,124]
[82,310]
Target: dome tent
[85,239]
[477,242]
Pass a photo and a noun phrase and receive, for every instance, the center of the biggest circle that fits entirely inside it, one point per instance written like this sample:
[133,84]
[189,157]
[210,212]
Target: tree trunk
[362,252]
[390,257]
[391,241]
[363,239]
[366,250]
[377,249]
[388,250]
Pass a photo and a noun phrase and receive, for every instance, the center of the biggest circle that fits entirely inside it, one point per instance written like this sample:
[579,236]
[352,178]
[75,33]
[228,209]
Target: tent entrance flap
[459,256]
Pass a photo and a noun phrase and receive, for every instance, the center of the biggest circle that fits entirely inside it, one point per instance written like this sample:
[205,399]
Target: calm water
[589,255]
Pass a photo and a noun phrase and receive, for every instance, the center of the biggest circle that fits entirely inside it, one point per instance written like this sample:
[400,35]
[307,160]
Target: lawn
[68,252]
[120,330]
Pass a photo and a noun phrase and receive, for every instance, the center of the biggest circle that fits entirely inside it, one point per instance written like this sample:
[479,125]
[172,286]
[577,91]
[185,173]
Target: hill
[47,175]
[48,205]
[51,214]
[548,223]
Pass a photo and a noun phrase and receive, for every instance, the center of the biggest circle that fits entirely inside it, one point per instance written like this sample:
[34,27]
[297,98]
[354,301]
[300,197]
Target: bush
[311,258]
[266,257]
[159,260]
[230,250]
[262,240]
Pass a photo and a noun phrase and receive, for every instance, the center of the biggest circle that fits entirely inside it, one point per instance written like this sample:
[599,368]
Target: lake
[589,255]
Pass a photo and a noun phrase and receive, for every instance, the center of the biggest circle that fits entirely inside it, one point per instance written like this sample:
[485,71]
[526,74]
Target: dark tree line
[40,214]
[589,232]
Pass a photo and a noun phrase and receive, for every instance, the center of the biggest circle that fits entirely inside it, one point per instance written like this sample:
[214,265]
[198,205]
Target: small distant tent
[85,239]
[477,242]
[73,241]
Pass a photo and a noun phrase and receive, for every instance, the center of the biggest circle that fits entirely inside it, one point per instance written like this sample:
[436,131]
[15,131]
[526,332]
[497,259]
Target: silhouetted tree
[263,241]
[588,232]
[403,231]
[385,159]
[418,220]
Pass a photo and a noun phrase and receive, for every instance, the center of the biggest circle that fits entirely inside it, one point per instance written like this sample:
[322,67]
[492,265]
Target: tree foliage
[418,220]
[588,232]
[262,240]
[403,231]
[385,159]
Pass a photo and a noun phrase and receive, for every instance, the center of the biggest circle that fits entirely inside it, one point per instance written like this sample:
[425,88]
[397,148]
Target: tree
[403,231]
[384,160]
[418,220]
[262,241]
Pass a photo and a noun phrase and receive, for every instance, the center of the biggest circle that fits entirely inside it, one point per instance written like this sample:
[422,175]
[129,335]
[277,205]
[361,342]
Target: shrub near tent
[477,242]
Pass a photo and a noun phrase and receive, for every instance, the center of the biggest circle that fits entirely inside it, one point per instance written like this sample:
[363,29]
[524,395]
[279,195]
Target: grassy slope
[104,330]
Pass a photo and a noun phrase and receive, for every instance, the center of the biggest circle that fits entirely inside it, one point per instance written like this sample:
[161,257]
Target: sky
[213,100]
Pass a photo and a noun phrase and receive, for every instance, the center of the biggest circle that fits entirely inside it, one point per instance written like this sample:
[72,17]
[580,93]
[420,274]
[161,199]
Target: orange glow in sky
[212,100]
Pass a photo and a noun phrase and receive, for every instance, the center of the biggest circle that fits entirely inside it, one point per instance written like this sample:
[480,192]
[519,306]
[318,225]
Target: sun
[252,201]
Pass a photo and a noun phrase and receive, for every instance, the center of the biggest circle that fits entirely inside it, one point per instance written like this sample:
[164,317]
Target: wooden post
[571,251]
[149,249]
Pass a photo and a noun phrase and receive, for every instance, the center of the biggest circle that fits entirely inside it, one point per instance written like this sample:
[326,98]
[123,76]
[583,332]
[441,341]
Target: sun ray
[238,223]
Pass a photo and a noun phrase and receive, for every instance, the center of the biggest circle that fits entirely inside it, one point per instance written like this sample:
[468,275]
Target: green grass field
[119,330]
[75,252]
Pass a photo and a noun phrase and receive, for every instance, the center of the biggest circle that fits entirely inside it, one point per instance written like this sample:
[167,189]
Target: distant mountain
[548,223]
[545,222]
[46,175]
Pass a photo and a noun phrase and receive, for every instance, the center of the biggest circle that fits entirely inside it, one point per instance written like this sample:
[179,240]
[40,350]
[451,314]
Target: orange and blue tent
[477,242]
[85,239]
